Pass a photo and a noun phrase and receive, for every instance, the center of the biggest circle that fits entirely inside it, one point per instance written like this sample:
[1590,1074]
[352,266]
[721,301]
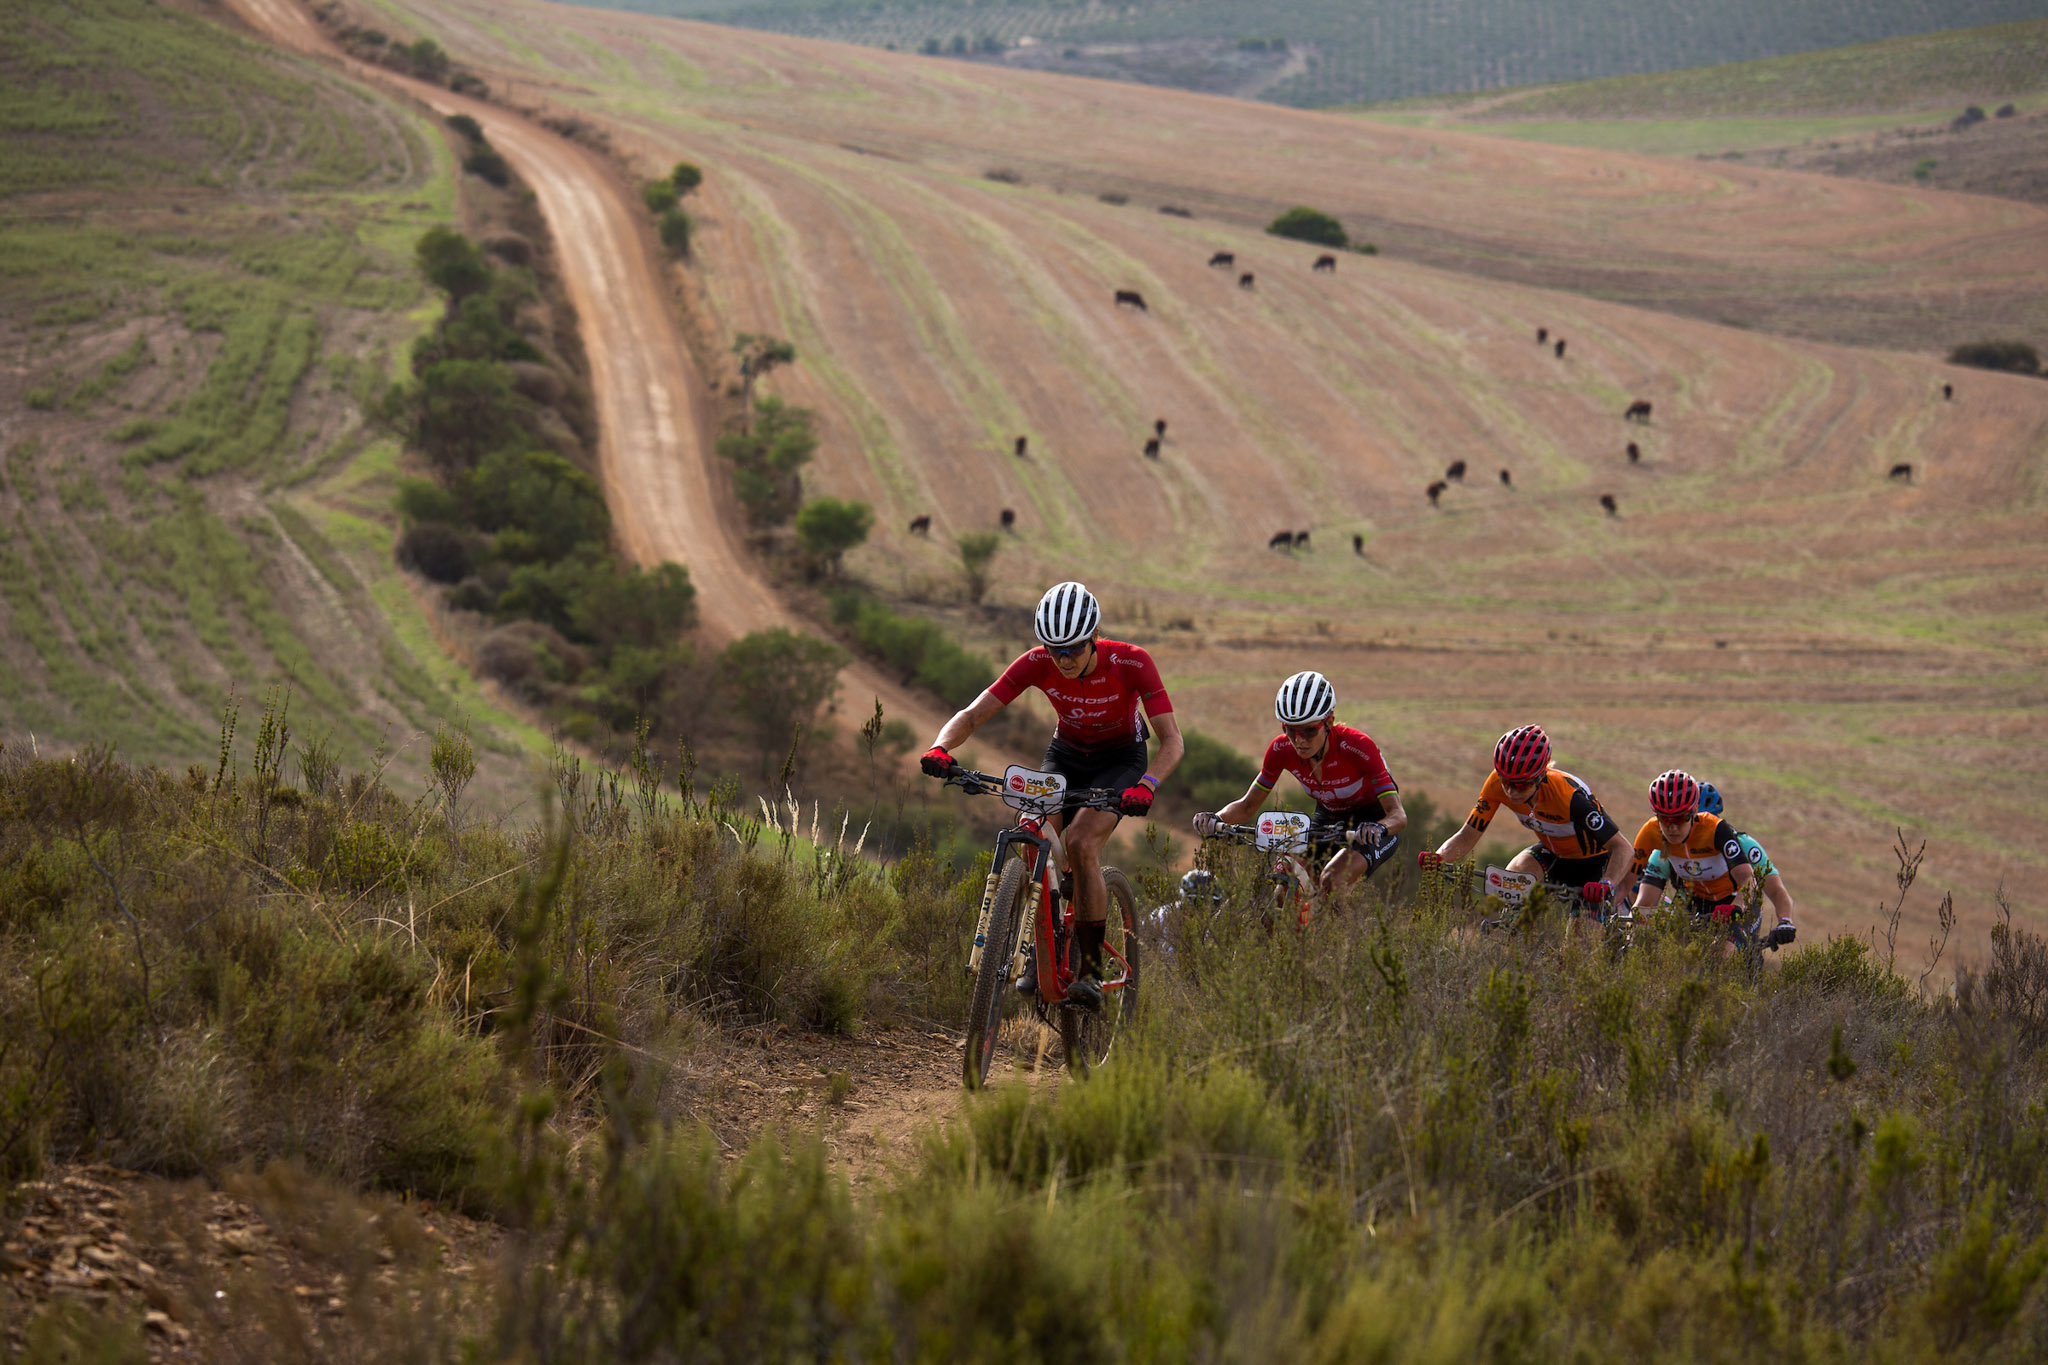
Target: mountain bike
[1515,892]
[1290,880]
[1030,886]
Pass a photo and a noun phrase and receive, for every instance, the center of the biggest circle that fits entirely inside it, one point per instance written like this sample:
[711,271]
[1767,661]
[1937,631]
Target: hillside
[1345,51]
[205,276]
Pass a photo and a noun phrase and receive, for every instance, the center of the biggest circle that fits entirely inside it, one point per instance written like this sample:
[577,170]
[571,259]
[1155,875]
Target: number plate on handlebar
[1512,887]
[1283,831]
[1033,792]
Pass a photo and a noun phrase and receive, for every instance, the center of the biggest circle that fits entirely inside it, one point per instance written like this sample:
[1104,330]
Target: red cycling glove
[1429,860]
[1136,800]
[936,762]
[1596,892]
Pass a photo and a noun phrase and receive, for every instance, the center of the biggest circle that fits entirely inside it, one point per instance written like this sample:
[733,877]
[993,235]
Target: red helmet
[1675,794]
[1522,754]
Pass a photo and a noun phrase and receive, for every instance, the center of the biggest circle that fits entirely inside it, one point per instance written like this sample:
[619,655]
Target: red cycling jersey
[1099,711]
[1353,772]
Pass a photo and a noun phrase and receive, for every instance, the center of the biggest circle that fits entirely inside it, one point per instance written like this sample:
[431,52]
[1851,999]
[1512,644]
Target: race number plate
[1283,831]
[1035,793]
[1511,887]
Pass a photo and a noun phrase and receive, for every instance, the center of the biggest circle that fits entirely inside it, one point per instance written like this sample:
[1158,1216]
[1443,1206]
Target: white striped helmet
[1305,697]
[1067,615]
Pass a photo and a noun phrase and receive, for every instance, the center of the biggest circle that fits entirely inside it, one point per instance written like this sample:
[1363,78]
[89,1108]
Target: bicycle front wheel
[985,1007]
[1087,1038]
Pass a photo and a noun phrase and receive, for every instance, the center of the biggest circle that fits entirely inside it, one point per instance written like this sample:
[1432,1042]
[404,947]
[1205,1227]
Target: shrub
[465,126]
[685,177]
[827,528]
[429,61]
[1114,197]
[463,410]
[924,650]
[659,195]
[436,550]
[1309,225]
[778,680]
[675,232]
[1003,176]
[1211,774]
[977,549]
[2014,357]
[540,494]
[767,459]
[452,263]
[485,163]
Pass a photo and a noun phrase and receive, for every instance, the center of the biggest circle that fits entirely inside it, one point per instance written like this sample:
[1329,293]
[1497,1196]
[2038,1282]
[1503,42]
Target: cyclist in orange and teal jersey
[1339,766]
[1659,869]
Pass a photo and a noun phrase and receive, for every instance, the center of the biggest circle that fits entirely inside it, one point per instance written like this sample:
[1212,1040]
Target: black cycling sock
[1088,947]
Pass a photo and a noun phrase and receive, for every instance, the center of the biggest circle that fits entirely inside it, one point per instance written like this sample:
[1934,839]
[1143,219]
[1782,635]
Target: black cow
[1507,480]
[1328,263]
[1542,335]
[1948,391]
[921,526]
[1023,446]
[1131,298]
[1246,280]
[1009,519]
[1159,428]
[1281,540]
[1635,453]
[1638,411]
[1358,545]
[1560,348]
[1301,540]
[1456,473]
[1902,471]
[1152,449]
[1222,260]
[1435,491]
[1607,501]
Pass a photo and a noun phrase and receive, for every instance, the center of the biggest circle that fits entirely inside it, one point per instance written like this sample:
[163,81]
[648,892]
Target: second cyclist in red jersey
[1336,764]
[1098,688]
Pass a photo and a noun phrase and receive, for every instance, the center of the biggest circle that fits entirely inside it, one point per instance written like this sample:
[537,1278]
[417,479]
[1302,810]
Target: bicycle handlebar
[988,784]
[1319,836]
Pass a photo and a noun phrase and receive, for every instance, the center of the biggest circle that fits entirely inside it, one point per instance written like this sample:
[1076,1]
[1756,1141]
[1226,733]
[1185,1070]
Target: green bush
[659,195]
[675,232]
[768,458]
[779,680]
[429,61]
[465,126]
[1309,225]
[465,409]
[488,164]
[685,177]
[827,528]
[925,652]
[2015,357]
[977,549]
[452,263]
[1211,774]
[556,505]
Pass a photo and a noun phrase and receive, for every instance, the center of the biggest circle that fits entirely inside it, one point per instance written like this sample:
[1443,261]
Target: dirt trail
[655,432]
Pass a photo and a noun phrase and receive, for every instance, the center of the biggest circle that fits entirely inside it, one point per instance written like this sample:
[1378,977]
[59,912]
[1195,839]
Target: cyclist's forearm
[1396,817]
[1774,887]
[962,726]
[1459,844]
[1171,748]
[1620,853]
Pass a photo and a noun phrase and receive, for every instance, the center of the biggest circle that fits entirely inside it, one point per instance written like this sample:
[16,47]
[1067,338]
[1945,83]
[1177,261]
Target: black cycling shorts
[1352,818]
[1115,768]
[1569,872]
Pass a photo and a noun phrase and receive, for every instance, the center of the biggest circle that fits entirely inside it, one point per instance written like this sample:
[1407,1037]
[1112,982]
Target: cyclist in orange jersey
[1703,852]
[1577,846]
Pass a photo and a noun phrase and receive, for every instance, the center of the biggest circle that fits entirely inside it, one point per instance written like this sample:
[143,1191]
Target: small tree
[451,262]
[467,126]
[767,459]
[759,355]
[827,528]
[1310,225]
[675,232]
[2015,357]
[685,177]
[779,680]
[659,195]
[429,62]
[976,550]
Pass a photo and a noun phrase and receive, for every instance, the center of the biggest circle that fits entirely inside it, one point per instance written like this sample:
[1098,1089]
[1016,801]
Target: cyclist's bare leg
[1085,838]
[1347,867]
[1525,861]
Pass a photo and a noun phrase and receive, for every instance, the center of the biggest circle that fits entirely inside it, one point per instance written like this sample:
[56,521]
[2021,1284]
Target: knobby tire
[985,1007]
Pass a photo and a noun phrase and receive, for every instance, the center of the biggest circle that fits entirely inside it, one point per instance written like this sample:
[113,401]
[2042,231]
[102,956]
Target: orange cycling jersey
[1563,814]
[1702,864]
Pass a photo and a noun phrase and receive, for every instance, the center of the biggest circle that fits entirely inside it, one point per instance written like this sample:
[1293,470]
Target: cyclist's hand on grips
[1784,933]
[1206,824]
[1596,893]
[1429,860]
[1367,836]
[1136,800]
[937,762]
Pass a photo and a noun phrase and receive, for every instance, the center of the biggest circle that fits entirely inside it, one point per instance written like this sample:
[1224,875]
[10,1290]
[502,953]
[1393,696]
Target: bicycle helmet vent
[1305,697]
[1200,885]
[1710,799]
[1067,615]
[1522,754]
[1674,794]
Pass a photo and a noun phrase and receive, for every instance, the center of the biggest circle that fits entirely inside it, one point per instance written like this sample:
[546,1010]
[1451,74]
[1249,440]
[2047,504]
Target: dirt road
[654,426]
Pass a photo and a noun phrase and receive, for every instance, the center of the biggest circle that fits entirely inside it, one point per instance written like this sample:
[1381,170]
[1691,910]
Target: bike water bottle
[988,903]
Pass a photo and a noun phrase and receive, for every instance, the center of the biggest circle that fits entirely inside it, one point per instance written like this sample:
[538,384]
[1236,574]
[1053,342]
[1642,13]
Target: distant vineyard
[1357,51]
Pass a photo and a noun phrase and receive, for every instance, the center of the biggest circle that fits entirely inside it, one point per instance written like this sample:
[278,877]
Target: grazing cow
[1507,480]
[1009,519]
[1542,335]
[1560,348]
[1301,540]
[1281,540]
[1435,491]
[1456,473]
[1131,298]
[1638,411]
[1607,501]
[1328,263]
[1246,280]
[1358,545]
[921,526]
[1223,260]
[1948,391]
[1152,449]
[1159,428]
[1902,471]
[1023,446]
[1635,453]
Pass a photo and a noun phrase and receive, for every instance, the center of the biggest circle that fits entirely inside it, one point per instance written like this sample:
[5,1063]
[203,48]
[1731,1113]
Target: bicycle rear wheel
[985,1006]
[1086,1038]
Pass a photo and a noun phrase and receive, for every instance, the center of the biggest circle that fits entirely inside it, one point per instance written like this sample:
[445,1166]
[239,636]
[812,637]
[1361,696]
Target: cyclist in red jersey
[1337,765]
[1098,688]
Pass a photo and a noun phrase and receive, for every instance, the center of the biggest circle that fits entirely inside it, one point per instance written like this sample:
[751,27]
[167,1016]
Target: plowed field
[1843,652]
